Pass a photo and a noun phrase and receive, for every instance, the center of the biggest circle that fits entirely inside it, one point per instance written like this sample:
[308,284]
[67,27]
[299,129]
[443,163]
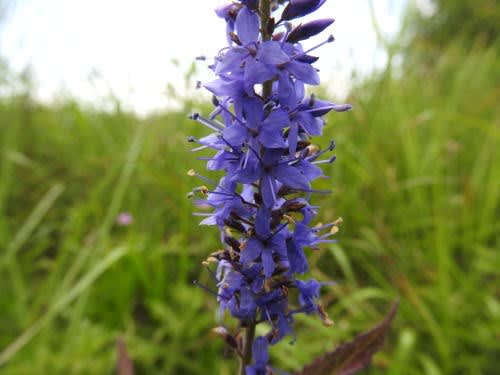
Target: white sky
[91,48]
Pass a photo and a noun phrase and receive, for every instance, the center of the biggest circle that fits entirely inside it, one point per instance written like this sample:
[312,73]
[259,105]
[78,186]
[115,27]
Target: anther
[329,40]
[312,149]
[312,100]
[324,316]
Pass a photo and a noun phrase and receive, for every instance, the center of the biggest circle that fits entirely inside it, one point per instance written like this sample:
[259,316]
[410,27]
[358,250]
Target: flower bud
[307,30]
[300,8]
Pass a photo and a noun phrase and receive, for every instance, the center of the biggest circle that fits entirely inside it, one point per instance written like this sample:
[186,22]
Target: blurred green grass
[416,182]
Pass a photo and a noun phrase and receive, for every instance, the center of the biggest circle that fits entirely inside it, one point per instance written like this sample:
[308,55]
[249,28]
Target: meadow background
[417,182]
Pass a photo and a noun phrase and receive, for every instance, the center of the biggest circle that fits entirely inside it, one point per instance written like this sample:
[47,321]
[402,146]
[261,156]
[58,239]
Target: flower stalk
[246,359]
[265,16]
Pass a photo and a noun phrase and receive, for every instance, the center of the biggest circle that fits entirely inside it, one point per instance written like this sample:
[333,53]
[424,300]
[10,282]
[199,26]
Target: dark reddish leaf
[124,365]
[353,356]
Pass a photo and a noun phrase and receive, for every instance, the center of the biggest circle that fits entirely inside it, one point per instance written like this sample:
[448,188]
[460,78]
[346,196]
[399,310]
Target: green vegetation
[416,182]
[471,20]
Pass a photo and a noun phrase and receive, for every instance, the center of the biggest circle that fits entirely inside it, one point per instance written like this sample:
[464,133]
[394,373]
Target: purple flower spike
[261,139]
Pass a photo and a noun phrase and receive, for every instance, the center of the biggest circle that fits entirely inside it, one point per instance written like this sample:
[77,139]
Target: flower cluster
[262,127]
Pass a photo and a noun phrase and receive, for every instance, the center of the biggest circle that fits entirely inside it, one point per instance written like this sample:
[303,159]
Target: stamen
[330,147]
[231,147]
[280,228]
[221,193]
[196,149]
[317,191]
[256,153]
[208,261]
[324,316]
[206,289]
[192,139]
[329,40]
[329,161]
[193,173]
[223,108]
[320,227]
[201,189]
[204,121]
[288,28]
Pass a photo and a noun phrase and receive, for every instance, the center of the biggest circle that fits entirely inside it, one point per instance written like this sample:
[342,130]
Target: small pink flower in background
[124,219]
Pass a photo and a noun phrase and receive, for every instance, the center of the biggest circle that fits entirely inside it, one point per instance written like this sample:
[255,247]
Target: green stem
[265,16]
[246,359]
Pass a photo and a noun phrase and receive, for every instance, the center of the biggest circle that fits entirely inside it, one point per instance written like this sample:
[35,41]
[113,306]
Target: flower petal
[251,251]
[247,26]
[260,351]
[268,190]
[271,137]
[303,72]
[290,176]
[296,257]
[309,170]
[262,223]
[268,262]
[272,54]
[255,72]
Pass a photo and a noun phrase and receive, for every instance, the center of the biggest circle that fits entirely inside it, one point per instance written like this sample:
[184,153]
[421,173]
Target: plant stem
[247,348]
[265,16]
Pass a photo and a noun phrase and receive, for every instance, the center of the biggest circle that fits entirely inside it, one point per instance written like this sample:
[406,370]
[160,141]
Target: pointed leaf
[353,356]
